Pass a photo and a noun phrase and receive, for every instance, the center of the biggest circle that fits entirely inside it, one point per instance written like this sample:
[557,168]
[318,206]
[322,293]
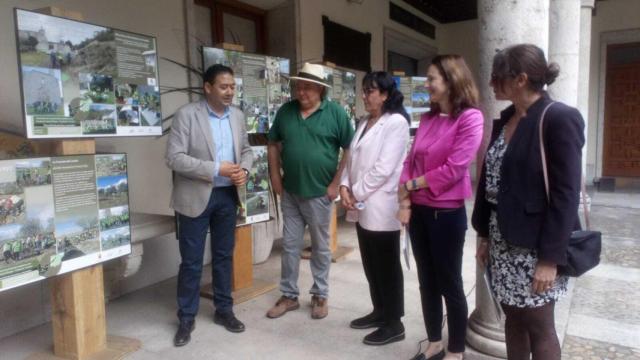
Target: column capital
[588,3]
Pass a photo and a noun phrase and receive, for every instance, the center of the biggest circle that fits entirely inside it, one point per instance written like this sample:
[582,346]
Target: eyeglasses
[369,90]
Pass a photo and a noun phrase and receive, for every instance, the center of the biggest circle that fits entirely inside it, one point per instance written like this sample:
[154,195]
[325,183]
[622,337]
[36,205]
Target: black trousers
[437,237]
[380,251]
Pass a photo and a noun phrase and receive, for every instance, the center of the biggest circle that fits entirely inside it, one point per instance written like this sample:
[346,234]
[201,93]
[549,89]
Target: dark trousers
[437,237]
[220,218]
[380,251]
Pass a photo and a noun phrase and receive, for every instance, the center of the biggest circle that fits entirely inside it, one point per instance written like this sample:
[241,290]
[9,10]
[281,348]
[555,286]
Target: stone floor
[601,319]
[604,321]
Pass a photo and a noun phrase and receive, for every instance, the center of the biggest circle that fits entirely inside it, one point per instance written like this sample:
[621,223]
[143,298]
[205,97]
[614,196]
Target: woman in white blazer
[369,193]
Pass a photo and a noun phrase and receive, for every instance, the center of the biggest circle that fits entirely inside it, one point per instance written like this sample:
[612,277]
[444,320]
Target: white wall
[149,179]
[461,38]
[611,16]
[371,16]
[281,34]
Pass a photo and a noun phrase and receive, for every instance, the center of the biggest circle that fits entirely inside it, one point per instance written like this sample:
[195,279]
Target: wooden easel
[77,299]
[244,286]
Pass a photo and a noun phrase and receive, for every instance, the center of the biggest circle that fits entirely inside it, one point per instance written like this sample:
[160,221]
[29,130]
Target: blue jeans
[220,218]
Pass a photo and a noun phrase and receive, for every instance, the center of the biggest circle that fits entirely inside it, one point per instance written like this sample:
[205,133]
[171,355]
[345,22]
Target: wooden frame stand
[244,286]
[78,320]
[78,304]
[337,252]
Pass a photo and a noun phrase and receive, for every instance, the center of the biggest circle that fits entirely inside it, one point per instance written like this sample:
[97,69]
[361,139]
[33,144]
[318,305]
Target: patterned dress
[512,267]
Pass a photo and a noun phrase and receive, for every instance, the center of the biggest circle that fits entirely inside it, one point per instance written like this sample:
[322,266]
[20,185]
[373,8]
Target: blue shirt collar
[211,113]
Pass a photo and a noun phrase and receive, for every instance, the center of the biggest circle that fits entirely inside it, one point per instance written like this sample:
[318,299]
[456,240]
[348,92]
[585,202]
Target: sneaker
[385,335]
[319,307]
[283,305]
[368,321]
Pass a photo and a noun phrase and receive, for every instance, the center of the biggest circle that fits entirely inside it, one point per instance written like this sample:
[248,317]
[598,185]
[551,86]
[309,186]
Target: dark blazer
[525,218]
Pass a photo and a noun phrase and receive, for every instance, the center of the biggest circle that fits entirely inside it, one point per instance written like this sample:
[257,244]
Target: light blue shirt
[223,138]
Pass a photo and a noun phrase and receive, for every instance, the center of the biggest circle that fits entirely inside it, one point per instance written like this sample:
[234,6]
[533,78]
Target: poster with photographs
[278,87]
[416,97]
[255,195]
[59,214]
[262,84]
[84,80]
[343,90]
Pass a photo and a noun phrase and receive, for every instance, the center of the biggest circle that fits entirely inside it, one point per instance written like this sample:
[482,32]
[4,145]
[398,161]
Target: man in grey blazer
[209,153]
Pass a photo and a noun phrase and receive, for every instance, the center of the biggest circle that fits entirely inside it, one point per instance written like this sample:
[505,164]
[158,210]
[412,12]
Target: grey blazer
[191,155]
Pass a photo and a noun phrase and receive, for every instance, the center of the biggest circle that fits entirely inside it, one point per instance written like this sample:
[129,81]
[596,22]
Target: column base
[486,339]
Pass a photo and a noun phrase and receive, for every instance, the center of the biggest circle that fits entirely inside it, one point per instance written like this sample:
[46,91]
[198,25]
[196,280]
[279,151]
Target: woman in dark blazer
[524,237]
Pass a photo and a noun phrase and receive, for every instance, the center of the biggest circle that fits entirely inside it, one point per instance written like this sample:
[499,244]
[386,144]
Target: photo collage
[343,90]
[84,80]
[416,96]
[254,197]
[262,84]
[62,213]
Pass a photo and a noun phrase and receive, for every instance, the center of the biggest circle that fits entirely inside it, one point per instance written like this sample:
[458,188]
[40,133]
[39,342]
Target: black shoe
[385,335]
[368,321]
[229,321]
[183,335]
[438,356]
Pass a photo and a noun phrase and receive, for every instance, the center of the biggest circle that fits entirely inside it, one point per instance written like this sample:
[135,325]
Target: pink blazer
[373,170]
[442,150]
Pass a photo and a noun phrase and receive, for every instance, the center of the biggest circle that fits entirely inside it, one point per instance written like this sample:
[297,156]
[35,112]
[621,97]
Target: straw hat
[312,73]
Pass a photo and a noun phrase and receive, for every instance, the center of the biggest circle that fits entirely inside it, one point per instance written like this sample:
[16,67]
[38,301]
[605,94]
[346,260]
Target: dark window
[398,62]
[346,47]
[398,14]
[235,12]
[623,54]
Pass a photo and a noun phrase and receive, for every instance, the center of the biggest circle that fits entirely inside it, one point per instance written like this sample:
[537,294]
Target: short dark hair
[386,84]
[524,59]
[213,71]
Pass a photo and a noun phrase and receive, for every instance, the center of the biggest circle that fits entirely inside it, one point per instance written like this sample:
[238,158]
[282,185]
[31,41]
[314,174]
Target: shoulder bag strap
[543,156]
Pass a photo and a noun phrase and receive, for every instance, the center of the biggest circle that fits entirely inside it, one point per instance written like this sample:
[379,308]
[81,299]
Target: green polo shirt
[310,146]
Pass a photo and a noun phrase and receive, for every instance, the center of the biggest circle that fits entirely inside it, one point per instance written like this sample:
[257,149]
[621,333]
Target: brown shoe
[319,307]
[283,305]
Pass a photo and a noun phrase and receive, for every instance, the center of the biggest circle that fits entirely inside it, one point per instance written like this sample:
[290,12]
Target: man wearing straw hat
[305,142]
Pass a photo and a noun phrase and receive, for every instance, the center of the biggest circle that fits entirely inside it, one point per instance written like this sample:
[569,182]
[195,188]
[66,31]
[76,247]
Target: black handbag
[585,246]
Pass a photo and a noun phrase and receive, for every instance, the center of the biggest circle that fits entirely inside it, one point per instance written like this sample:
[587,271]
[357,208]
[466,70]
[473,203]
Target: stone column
[501,24]
[584,70]
[564,49]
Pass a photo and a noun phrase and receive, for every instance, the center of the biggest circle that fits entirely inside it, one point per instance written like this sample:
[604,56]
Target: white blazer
[373,171]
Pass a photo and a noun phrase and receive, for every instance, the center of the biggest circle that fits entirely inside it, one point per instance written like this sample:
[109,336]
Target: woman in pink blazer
[434,183]
[369,193]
